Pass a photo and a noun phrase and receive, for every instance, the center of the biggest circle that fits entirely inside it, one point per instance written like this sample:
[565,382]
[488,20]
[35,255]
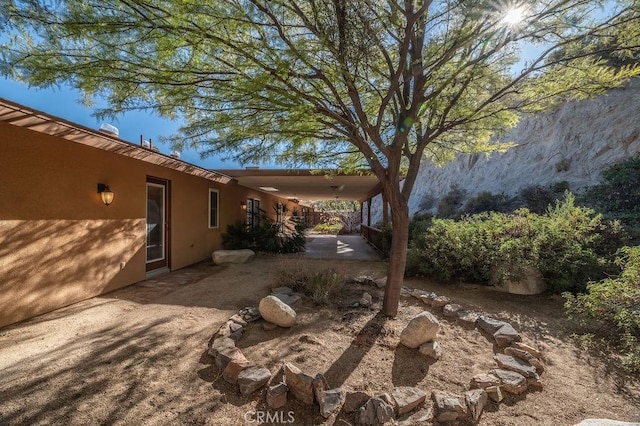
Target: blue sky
[64,102]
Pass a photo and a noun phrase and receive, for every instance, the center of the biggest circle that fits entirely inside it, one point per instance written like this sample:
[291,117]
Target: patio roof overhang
[307,186]
[29,118]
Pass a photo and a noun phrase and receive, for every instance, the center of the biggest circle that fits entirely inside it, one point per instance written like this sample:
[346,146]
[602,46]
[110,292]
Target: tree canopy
[349,83]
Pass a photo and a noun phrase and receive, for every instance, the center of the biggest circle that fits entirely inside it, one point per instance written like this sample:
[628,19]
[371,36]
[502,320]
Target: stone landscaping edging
[519,366]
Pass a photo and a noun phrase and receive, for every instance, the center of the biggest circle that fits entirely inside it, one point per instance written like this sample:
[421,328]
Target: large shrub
[450,205]
[487,201]
[611,307]
[450,249]
[570,245]
[539,198]
[269,236]
[618,195]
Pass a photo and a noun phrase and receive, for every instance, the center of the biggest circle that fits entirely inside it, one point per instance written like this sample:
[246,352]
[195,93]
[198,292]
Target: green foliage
[454,249]
[488,202]
[450,205]
[559,187]
[328,228]
[317,284]
[323,285]
[238,236]
[337,217]
[618,196]
[570,245]
[419,224]
[269,236]
[563,165]
[611,307]
[538,198]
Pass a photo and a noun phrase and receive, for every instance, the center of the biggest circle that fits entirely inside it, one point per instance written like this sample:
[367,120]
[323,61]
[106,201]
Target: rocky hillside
[574,144]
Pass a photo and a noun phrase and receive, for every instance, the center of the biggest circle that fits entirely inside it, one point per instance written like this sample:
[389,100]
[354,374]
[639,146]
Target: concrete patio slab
[344,247]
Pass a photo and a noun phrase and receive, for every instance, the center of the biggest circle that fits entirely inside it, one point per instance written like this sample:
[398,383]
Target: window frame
[217,209]
[253,214]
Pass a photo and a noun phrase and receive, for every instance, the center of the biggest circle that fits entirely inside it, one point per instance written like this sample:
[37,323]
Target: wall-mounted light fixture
[106,193]
[243,205]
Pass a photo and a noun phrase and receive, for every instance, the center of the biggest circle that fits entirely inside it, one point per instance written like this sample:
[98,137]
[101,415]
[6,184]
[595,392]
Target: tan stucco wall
[60,244]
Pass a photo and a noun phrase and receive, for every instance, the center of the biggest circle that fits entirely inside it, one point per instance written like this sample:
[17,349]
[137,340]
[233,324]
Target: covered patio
[308,186]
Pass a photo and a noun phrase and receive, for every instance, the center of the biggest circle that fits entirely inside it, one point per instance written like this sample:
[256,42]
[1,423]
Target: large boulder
[225,257]
[421,329]
[531,282]
[277,312]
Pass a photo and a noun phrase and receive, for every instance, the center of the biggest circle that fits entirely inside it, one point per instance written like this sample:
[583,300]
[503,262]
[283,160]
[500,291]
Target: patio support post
[369,212]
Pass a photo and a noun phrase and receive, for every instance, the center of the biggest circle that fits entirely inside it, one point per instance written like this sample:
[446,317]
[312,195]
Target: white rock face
[587,136]
[277,312]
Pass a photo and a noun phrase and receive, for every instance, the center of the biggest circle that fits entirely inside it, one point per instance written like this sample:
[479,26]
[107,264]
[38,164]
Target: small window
[213,208]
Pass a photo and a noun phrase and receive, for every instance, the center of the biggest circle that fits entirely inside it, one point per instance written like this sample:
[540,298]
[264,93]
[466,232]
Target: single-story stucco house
[63,241]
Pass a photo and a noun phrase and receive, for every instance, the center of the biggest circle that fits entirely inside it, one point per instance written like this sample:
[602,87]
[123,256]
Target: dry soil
[137,356]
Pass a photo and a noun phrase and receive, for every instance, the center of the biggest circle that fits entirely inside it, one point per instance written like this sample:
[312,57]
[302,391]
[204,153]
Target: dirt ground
[138,355]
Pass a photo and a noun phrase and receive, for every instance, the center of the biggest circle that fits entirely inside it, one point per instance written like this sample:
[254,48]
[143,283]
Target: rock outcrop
[574,143]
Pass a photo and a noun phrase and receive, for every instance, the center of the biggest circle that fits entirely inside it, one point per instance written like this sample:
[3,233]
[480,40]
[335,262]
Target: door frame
[166,262]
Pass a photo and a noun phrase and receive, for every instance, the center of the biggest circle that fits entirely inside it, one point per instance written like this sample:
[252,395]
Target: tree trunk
[398,254]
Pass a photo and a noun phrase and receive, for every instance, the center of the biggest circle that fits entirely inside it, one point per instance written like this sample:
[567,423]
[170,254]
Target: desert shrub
[323,284]
[289,274]
[620,189]
[487,202]
[562,165]
[419,224]
[611,307]
[449,206]
[570,245]
[428,202]
[319,284]
[559,187]
[618,195]
[269,236]
[537,198]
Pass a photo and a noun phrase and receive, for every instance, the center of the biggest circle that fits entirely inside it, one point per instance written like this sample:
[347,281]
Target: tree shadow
[409,366]
[361,344]
[118,373]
